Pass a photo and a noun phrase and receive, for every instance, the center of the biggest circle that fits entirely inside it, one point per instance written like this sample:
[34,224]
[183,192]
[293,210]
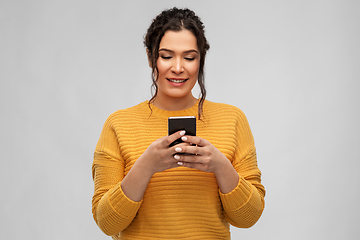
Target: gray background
[291,66]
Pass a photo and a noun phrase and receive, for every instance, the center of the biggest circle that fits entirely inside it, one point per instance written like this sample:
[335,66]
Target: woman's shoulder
[224,113]
[130,113]
[222,108]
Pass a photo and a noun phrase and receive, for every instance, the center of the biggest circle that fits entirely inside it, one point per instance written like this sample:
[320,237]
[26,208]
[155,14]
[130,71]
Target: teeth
[177,81]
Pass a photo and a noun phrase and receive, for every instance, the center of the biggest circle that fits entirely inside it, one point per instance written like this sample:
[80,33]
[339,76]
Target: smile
[176,80]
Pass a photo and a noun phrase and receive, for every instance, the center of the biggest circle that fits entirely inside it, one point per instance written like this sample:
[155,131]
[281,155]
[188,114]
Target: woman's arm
[244,205]
[112,210]
[239,179]
[117,198]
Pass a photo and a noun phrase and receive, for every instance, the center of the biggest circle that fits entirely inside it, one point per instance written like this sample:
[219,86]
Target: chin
[179,95]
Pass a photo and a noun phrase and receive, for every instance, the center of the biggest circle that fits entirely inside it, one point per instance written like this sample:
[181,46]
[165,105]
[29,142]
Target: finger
[187,158]
[178,148]
[171,138]
[194,140]
[191,150]
[190,165]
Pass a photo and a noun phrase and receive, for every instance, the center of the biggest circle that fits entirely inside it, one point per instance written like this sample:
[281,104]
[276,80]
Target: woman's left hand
[200,154]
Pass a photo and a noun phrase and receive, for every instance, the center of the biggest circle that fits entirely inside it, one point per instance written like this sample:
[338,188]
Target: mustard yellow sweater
[179,203]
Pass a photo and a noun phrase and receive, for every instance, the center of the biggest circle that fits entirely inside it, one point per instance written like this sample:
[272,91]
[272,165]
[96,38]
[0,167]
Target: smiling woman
[178,69]
[175,21]
[147,189]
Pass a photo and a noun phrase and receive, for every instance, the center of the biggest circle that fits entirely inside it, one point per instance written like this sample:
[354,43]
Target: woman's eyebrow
[171,51]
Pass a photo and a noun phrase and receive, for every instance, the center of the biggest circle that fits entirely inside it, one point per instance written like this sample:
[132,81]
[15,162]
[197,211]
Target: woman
[145,189]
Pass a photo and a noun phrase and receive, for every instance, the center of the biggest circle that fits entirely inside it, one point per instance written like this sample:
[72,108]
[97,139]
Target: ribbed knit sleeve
[244,205]
[112,210]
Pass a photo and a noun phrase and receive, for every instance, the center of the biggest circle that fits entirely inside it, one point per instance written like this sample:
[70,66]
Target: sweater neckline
[157,112]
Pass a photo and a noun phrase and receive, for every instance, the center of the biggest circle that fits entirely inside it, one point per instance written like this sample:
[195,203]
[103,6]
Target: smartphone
[187,123]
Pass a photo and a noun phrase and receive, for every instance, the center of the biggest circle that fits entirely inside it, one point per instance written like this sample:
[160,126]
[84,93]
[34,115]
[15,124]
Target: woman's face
[177,65]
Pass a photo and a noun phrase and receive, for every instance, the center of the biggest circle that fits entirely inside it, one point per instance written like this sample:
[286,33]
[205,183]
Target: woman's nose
[177,67]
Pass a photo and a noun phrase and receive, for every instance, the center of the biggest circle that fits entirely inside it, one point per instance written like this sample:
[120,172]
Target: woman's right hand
[156,158]
[159,156]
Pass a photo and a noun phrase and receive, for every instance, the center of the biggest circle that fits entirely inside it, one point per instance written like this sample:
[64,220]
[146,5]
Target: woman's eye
[165,57]
[190,58]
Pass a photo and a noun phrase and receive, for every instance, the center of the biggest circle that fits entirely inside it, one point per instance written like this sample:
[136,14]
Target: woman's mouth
[177,80]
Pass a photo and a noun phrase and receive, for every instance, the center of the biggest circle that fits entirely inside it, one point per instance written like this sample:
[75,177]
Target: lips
[177,80]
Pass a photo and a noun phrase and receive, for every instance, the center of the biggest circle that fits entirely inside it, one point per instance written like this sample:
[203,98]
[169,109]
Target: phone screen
[187,123]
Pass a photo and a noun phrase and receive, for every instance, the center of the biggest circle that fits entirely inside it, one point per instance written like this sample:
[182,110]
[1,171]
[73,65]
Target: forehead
[183,40]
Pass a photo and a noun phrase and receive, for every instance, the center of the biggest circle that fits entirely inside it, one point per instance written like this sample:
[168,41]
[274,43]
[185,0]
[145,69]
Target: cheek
[162,67]
[194,70]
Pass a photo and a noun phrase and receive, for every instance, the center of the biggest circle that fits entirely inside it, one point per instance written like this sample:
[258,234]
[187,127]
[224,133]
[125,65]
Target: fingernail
[182,133]
[177,157]
[180,163]
[184,138]
[178,149]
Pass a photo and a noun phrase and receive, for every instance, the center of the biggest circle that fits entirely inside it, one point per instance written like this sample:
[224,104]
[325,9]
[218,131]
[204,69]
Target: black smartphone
[187,123]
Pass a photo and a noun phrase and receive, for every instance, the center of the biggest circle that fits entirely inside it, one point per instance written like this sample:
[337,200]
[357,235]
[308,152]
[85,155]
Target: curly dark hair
[175,19]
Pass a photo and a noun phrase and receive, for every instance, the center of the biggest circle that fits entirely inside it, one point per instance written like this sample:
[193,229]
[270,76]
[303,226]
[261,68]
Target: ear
[148,57]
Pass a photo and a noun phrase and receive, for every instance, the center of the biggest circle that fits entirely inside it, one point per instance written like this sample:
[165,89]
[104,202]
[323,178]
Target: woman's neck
[174,104]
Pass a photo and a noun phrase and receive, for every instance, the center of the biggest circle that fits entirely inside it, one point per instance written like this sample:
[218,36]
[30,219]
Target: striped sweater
[179,203]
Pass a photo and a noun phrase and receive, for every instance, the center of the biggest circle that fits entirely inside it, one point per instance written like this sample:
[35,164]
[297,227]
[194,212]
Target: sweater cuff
[122,204]
[238,196]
